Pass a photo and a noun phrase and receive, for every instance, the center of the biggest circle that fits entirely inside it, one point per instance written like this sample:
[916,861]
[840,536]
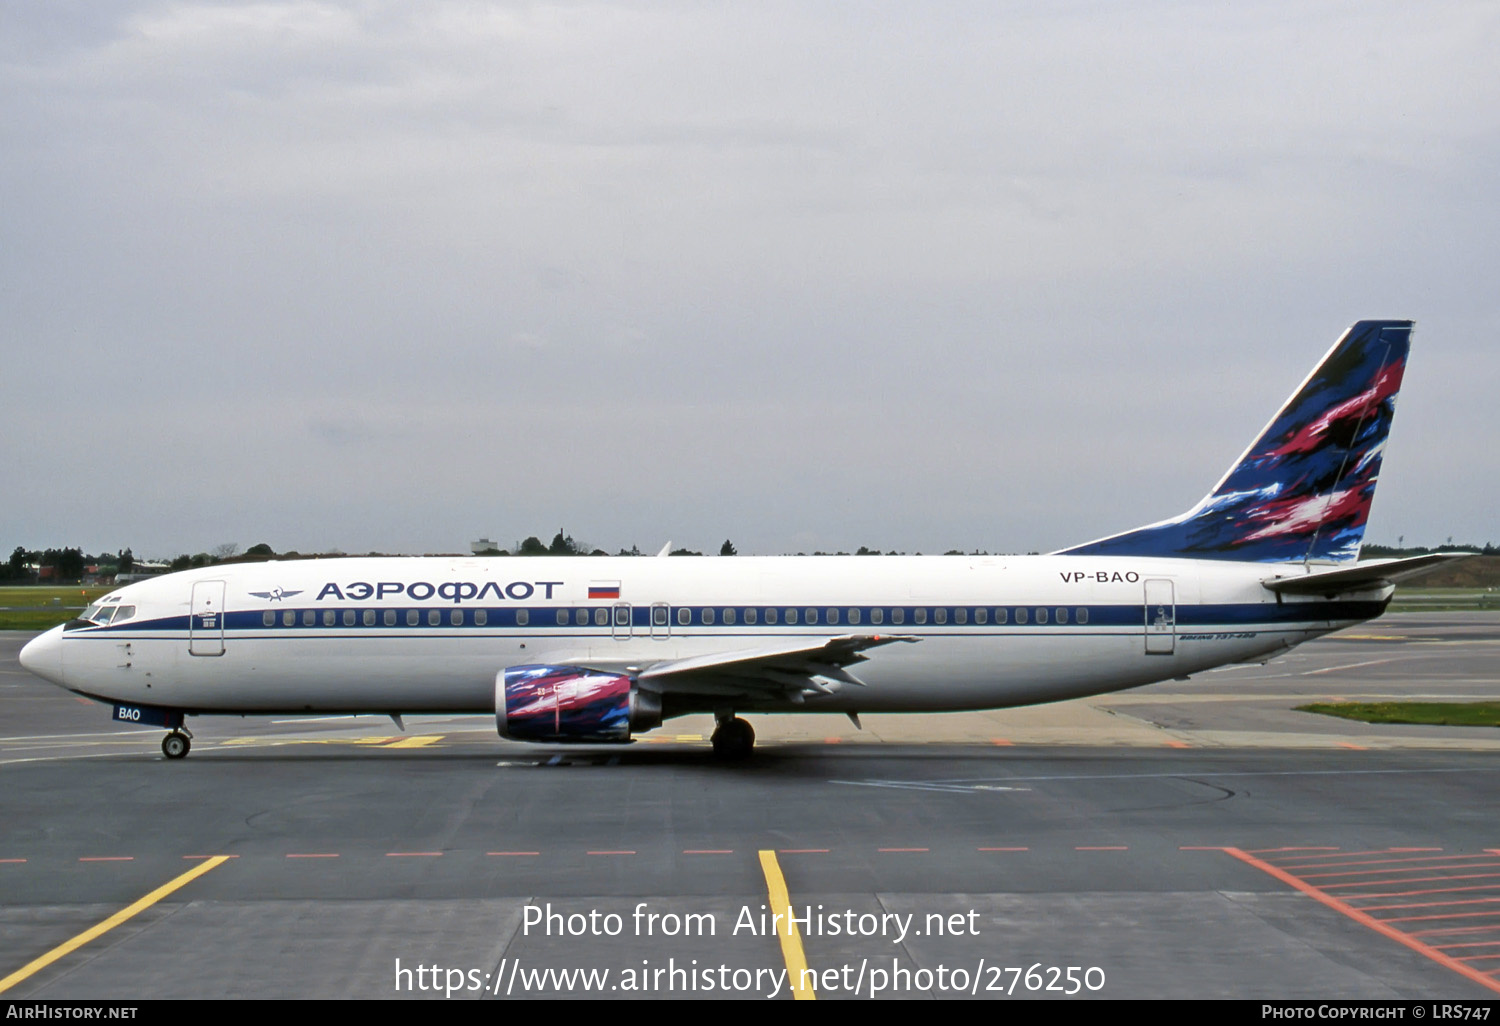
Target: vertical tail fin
[1302,491]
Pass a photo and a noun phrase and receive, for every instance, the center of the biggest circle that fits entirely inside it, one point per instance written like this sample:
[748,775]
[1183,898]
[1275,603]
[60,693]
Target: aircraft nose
[42,655]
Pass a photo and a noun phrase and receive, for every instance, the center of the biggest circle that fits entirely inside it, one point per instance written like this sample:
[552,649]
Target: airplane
[596,650]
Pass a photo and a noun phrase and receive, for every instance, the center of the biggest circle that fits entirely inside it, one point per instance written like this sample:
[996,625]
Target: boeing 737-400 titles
[595,650]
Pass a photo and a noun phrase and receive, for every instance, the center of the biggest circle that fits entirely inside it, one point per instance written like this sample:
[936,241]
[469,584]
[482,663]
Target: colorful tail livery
[1302,491]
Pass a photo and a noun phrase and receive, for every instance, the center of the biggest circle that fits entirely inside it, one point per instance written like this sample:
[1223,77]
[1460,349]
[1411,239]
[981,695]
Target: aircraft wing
[800,665]
[1363,576]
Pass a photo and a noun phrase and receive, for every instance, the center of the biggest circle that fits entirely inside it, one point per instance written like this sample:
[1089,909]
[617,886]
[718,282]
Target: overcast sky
[1010,276]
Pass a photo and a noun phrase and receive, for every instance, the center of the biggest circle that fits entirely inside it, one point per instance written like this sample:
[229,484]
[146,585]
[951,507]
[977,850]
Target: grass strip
[1443,714]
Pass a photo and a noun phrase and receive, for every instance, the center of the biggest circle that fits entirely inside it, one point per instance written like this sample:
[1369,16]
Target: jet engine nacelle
[571,704]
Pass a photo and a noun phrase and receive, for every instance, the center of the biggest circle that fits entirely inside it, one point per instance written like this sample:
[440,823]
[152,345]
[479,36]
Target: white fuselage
[429,634]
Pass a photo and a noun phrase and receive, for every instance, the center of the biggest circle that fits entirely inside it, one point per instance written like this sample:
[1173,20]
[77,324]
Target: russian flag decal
[604,589]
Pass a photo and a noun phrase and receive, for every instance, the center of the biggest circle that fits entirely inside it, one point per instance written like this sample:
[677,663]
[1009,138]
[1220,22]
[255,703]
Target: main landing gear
[177,744]
[733,738]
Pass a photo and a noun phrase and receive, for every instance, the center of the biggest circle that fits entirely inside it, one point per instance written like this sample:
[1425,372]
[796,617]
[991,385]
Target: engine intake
[571,704]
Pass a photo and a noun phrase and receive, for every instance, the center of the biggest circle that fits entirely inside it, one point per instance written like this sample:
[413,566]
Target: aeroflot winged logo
[448,591]
[276,594]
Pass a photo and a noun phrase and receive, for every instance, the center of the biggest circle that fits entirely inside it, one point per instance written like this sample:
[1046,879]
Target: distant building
[483,545]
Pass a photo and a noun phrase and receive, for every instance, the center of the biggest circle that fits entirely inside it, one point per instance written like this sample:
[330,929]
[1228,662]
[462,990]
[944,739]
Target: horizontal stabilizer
[1375,573]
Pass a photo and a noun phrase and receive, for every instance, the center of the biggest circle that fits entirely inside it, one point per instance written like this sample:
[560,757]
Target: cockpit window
[101,614]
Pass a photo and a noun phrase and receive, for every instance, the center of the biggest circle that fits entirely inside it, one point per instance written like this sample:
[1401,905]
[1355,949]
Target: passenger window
[562,617]
[920,616]
[658,616]
[434,618]
[309,618]
[708,616]
[288,618]
[390,618]
[898,615]
[601,617]
[791,616]
[1041,614]
[729,616]
[1083,615]
[412,616]
[482,617]
[368,617]
[1002,615]
[981,616]
[751,616]
[940,615]
[833,616]
[456,618]
[328,617]
[1020,614]
[581,618]
[810,616]
[960,616]
[268,618]
[1062,615]
[877,616]
[684,615]
[854,616]
[622,616]
[771,615]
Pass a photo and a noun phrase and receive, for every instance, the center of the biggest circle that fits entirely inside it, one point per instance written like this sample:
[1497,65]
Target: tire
[175,745]
[734,740]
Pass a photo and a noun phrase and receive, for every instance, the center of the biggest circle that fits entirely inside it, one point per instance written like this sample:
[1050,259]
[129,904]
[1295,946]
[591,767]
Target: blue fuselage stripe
[954,620]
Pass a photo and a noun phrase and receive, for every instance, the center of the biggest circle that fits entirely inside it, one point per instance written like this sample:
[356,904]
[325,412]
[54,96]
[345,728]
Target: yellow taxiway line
[109,924]
[791,942]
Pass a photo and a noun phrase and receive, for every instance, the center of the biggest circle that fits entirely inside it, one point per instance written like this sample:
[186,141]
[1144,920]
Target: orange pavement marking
[1359,917]
[1428,904]
[1337,854]
[1378,862]
[1453,929]
[1426,919]
[1425,890]
[1413,869]
[1416,879]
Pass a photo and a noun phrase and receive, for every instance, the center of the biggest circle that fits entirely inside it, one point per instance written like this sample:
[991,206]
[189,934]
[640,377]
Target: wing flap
[797,665]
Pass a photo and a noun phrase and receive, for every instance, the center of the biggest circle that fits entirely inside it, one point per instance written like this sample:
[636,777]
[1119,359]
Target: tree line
[71,564]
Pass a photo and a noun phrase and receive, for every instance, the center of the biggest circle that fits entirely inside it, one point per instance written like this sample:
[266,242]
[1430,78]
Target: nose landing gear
[177,744]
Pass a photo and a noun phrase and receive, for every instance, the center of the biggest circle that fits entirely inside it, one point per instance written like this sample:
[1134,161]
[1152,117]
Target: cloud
[922,278]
